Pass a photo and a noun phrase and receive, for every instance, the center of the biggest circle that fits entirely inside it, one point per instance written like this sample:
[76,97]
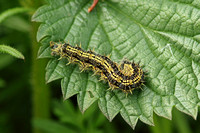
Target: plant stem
[93,5]
[40,92]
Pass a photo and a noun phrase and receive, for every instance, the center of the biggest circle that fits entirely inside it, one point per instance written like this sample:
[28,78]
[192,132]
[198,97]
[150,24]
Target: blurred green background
[27,104]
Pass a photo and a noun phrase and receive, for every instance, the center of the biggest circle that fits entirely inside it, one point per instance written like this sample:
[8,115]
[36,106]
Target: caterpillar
[126,76]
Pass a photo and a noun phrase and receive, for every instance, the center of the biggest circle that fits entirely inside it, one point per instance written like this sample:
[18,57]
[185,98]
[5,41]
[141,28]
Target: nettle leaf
[163,35]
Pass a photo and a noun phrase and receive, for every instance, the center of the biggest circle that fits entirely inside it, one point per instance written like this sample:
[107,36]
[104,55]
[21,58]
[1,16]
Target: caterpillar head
[56,48]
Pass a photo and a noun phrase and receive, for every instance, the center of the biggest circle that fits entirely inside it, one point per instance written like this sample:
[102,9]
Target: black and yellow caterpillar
[127,76]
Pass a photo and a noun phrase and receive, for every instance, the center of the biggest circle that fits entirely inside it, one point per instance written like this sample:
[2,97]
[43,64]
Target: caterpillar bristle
[108,55]
[96,71]
[68,63]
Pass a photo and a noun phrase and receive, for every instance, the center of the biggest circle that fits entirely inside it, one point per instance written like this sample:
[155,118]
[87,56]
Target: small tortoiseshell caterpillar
[127,76]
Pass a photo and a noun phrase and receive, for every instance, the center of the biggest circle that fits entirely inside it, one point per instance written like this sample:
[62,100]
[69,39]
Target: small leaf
[11,51]
[13,11]
[51,126]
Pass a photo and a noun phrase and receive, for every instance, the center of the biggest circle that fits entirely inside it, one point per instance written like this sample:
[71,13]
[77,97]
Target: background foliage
[27,103]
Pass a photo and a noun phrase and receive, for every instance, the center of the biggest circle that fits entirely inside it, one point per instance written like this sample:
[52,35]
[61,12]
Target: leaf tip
[11,51]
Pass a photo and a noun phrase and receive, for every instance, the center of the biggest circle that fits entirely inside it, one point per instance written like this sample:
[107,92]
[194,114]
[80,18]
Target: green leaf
[13,11]
[91,120]
[11,51]
[51,126]
[17,23]
[162,34]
